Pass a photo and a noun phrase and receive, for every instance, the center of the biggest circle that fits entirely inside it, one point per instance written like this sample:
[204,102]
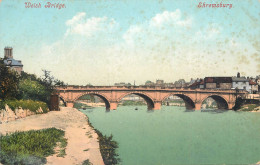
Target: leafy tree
[34,88]
[8,82]
[49,82]
[31,90]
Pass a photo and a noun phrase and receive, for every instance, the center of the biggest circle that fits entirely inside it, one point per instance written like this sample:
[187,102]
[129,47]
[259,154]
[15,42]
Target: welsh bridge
[154,96]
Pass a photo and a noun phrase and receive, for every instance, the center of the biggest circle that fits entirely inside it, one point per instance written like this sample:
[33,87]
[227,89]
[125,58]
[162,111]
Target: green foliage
[30,147]
[249,107]
[87,97]
[8,82]
[62,153]
[108,149]
[132,103]
[80,105]
[87,162]
[32,90]
[25,104]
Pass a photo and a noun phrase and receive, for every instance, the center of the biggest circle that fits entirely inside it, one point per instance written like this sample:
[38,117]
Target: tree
[34,88]
[9,80]
[49,82]
[31,90]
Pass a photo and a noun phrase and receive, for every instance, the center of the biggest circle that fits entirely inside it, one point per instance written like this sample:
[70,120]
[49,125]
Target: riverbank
[82,140]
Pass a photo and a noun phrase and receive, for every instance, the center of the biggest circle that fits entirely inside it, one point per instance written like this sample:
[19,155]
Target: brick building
[218,82]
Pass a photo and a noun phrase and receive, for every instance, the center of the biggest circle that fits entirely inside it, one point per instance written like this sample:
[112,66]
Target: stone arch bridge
[154,96]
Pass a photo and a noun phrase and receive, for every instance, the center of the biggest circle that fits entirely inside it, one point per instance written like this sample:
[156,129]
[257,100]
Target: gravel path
[79,134]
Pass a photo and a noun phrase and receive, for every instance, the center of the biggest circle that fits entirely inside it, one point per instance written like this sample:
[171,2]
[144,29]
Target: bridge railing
[74,87]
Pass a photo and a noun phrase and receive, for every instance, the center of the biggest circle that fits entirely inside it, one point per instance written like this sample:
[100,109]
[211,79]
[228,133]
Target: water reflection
[189,110]
[214,111]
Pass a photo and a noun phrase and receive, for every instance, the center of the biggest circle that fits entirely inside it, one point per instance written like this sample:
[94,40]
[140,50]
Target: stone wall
[8,114]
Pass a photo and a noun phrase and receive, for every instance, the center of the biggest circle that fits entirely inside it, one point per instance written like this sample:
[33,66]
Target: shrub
[87,162]
[30,147]
[25,104]
[9,80]
[249,107]
[107,148]
[31,90]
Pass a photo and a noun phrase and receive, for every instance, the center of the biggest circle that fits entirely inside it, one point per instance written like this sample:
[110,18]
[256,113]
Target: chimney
[8,52]
[238,74]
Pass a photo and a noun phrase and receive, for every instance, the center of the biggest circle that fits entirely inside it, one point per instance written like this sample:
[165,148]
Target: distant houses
[252,85]
[238,82]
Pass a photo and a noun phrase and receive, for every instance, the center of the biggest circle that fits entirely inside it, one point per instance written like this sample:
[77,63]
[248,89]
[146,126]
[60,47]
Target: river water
[174,135]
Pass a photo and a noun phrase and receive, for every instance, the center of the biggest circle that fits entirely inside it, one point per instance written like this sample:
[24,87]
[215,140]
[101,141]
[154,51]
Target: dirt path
[79,134]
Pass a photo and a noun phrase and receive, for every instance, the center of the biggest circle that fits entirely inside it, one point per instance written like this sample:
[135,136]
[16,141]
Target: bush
[30,147]
[25,104]
[31,90]
[249,107]
[9,80]
[87,162]
[108,149]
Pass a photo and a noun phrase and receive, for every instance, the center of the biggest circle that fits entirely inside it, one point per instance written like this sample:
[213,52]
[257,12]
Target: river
[174,135]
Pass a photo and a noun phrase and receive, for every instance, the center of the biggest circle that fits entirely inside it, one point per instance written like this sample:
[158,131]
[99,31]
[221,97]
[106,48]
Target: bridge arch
[104,98]
[189,103]
[63,100]
[222,103]
[146,97]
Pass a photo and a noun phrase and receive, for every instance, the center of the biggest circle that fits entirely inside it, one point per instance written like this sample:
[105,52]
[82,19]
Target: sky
[102,42]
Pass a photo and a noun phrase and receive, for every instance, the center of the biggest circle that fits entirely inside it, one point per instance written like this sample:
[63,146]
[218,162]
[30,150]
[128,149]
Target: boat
[136,108]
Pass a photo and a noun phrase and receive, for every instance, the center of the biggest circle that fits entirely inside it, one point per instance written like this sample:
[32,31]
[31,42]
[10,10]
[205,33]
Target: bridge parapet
[142,88]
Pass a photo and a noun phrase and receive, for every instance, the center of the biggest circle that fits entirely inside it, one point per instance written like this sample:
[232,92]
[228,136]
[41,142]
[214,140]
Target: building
[159,83]
[180,83]
[218,82]
[122,84]
[241,83]
[10,62]
[199,83]
[169,85]
[254,87]
[149,83]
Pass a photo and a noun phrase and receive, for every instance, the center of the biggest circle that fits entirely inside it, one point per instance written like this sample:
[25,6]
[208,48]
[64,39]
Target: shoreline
[82,139]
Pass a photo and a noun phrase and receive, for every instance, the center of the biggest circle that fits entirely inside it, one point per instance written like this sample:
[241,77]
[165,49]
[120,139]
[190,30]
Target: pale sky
[106,41]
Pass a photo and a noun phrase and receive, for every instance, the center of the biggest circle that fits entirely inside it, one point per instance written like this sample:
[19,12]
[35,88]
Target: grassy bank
[81,106]
[132,103]
[107,148]
[248,107]
[30,147]
[25,104]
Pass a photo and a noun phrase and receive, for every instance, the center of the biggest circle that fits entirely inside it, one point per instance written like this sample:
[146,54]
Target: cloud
[88,27]
[209,32]
[170,18]
[161,30]
[76,19]
[169,45]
